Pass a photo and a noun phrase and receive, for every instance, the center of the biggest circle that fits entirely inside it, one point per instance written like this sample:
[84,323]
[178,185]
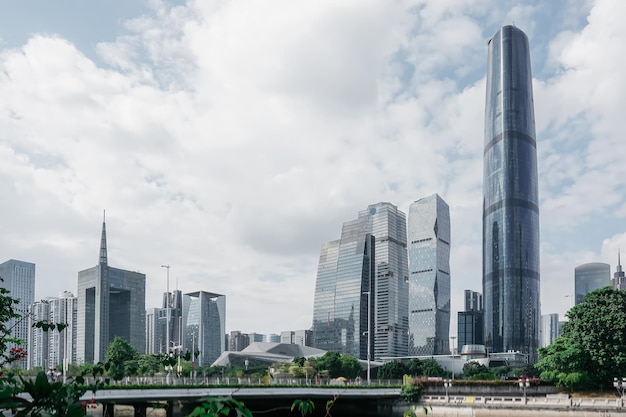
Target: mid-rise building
[238,341]
[510,199]
[204,325]
[470,322]
[18,277]
[256,337]
[111,302]
[590,277]
[272,338]
[549,328]
[303,337]
[429,276]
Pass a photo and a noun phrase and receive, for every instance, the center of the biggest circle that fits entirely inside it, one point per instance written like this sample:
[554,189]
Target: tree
[148,364]
[590,350]
[330,362]
[392,370]
[430,367]
[350,366]
[118,353]
[414,367]
[472,368]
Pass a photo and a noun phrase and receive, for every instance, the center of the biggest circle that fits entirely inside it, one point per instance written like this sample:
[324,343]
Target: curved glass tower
[590,277]
[510,199]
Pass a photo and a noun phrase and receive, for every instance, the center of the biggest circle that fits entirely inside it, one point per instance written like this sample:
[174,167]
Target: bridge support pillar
[140,409]
[108,410]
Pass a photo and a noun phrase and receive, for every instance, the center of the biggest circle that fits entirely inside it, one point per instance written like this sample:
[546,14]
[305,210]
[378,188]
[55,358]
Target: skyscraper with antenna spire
[111,302]
[619,280]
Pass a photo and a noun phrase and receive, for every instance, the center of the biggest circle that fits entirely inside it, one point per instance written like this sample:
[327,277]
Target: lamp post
[167,319]
[523,384]
[369,335]
[620,386]
[447,384]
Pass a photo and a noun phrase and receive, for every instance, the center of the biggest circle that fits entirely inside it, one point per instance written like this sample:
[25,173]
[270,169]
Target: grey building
[155,330]
[589,277]
[549,328]
[429,276]
[473,301]
[510,199]
[38,338]
[619,279]
[238,341]
[204,325]
[18,277]
[111,302]
[391,282]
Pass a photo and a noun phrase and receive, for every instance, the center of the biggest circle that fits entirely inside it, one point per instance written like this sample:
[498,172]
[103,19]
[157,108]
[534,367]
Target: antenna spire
[103,241]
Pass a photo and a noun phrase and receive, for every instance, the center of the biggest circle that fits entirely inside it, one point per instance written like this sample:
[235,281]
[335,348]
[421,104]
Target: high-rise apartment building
[155,330]
[361,289]
[549,328]
[38,338]
[18,277]
[204,325]
[429,276]
[619,279]
[510,199]
[589,277]
[238,341]
[111,302]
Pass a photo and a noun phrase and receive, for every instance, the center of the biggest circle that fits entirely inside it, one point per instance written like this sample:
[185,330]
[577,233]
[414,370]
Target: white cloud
[231,139]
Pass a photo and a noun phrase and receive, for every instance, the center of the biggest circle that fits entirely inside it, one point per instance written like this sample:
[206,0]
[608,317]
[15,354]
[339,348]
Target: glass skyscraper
[429,277]
[510,199]
[590,277]
[111,302]
[19,278]
[345,276]
[369,259]
[204,316]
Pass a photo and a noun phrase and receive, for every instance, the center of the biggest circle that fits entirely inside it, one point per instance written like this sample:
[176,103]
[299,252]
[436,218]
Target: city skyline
[231,152]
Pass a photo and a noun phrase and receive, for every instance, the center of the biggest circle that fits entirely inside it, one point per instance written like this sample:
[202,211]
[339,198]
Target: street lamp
[447,384]
[523,384]
[167,318]
[369,336]
[620,386]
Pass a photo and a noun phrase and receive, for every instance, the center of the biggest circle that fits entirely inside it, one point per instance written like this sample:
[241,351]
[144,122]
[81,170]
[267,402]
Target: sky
[230,139]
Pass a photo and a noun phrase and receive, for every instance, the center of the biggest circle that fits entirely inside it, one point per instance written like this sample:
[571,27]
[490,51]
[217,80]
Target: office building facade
[470,322]
[345,277]
[429,276]
[589,277]
[111,302]
[18,277]
[510,200]
[549,328]
[204,325]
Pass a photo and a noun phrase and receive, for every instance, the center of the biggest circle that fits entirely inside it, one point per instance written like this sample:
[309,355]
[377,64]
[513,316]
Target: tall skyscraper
[111,302]
[590,277]
[473,301]
[619,279]
[367,265]
[18,277]
[510,199]
[345,277]
[429,277]
[38,338]
[204,325]
[155,330]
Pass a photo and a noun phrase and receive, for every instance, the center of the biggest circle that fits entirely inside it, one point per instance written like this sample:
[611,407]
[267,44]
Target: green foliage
[148,364]
[304,407]
[590,351]
[483,376]
[350,366]
[392,370]
[430,367]
[410,393]
[415,367]
[221,407]
[330,362]
[122,358]
[472,368]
